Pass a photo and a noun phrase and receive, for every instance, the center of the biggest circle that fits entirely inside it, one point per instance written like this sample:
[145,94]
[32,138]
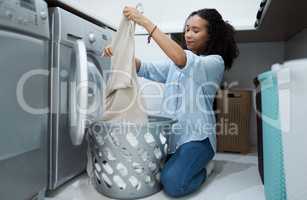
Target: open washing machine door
[86,94]
[78,93]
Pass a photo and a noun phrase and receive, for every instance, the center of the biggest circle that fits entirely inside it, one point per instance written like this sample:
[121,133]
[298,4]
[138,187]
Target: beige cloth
[123,99]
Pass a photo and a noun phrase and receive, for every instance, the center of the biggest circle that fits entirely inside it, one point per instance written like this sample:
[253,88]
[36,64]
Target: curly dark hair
[221,36]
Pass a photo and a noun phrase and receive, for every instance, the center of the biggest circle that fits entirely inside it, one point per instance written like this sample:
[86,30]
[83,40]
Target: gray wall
[296,46]
[254,59]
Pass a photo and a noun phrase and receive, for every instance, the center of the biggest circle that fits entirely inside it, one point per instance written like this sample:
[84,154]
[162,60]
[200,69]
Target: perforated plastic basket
[127,158]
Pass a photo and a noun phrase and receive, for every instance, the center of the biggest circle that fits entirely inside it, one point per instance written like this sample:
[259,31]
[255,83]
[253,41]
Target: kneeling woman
[192,76]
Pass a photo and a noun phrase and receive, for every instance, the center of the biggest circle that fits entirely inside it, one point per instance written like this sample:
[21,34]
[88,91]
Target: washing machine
[77,79]
[24,107]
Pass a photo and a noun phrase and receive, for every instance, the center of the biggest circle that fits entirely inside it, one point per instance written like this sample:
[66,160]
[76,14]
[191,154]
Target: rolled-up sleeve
[155,71]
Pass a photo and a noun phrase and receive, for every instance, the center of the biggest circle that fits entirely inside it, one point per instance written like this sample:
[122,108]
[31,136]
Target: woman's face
[196,33]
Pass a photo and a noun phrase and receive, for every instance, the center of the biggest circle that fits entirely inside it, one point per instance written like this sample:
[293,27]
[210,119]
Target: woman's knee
[172,183]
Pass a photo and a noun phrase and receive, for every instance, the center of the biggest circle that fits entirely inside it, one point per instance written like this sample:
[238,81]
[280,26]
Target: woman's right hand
[107,51]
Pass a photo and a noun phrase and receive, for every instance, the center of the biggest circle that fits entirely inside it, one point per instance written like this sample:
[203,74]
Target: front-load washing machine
[24,102]
[77,65]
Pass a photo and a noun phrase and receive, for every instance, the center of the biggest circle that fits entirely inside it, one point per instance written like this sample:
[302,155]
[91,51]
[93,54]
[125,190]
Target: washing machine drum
[95,94]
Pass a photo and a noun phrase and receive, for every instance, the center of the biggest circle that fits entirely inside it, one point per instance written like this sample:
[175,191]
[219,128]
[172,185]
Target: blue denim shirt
[188,96]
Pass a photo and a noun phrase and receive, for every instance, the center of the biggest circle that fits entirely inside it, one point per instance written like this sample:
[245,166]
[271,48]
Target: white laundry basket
[284,111]
[127,158]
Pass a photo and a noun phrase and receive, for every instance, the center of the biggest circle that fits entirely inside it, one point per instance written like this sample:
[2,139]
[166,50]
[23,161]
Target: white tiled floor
[235,177]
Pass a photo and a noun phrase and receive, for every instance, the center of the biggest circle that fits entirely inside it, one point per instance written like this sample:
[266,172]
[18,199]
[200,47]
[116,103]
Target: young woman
[192,76]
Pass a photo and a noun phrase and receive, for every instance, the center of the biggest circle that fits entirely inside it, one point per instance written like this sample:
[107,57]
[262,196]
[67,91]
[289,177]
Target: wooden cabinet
[233,116]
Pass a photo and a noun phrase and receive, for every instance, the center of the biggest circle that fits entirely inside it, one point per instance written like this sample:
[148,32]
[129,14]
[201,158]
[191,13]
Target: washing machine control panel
[25,15]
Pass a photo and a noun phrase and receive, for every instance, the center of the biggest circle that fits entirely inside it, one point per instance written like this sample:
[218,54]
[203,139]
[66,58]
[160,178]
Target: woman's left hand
[133,14]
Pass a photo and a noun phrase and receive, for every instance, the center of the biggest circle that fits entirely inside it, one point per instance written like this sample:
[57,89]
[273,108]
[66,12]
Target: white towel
[123,99]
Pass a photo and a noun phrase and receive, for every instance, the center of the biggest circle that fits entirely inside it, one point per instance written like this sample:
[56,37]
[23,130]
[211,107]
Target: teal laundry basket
[274,175]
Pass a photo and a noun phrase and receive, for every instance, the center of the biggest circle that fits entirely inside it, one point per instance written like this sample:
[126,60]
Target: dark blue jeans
[185,170]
